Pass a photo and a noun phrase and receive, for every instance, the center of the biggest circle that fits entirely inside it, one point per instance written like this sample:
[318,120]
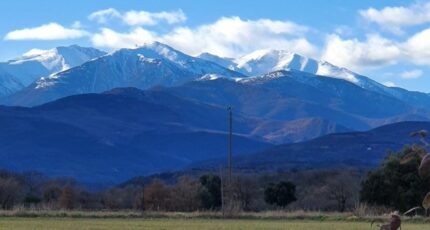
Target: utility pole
[230,139]
[222,190]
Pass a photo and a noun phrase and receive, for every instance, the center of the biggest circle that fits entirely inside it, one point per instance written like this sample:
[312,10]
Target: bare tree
[67,198]
[139,200]
[244,191]
[185,195]
[341,190]
[121,197]
[157,196]
[9,192]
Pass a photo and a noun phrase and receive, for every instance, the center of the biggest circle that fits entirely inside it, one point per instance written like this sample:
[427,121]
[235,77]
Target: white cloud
[51,31]
[375,51]
[112,39]
[417,47]
[233,36]
[135,18]
[411,74]
[103,16]
[138,18]
[394,18]
[228,36]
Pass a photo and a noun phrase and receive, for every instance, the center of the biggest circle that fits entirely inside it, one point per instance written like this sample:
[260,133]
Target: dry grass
[20,219]
[266,215]
[46,223]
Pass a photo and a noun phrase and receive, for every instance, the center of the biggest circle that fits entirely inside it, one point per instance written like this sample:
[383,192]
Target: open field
[127,220]
[47,223]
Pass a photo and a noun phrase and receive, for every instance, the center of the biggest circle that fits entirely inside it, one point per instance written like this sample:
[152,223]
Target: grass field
[49,223]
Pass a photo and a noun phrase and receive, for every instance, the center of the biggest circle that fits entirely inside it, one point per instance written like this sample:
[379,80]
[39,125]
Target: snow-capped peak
[261,62]
[264,61]
[60,58]
[158,51]
[145,66]
[38,63]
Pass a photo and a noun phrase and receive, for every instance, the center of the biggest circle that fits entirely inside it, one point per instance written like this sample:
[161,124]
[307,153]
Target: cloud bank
[228,36]
[396,18]
[234,36]
[50,31]
[138,18]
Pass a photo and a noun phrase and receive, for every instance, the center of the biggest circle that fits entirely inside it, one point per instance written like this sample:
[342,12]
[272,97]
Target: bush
[210,192]
[280,194]
[394,184]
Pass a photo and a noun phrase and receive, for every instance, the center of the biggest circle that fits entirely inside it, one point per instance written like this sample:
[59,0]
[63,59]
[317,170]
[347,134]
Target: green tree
[280,194]
[396,184]
[210,191]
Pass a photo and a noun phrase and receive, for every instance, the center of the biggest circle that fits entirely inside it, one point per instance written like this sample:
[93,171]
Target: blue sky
[388,41]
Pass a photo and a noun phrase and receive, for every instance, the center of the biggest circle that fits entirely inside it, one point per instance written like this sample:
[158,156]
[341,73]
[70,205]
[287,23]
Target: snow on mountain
[37,63]
[158,64]
[265,61]
[157,50]
[262,62]
[60,58]
[149,65]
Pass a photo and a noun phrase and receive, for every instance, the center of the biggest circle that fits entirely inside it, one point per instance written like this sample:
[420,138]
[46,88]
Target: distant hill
[110,137]
[352,149]
[290,95]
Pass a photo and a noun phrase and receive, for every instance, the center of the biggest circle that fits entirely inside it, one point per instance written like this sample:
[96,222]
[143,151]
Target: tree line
[392,185]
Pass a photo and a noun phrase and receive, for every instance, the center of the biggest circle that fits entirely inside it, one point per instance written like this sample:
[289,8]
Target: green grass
[50,223]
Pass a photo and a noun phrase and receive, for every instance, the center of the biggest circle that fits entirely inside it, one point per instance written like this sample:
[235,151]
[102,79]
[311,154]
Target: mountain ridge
[142,67]
[41,63]
[346,150]
[261,62]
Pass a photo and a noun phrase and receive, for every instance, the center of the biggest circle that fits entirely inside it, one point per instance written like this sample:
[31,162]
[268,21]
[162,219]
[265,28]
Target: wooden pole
[222,191]
[230,139]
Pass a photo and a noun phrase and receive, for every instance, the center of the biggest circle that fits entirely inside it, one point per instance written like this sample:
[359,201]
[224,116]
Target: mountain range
[262,62]
[143,67]
[104,117]
[158,64]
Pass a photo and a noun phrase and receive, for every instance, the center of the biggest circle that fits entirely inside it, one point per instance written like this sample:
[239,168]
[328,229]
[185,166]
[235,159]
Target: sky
[386,40]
